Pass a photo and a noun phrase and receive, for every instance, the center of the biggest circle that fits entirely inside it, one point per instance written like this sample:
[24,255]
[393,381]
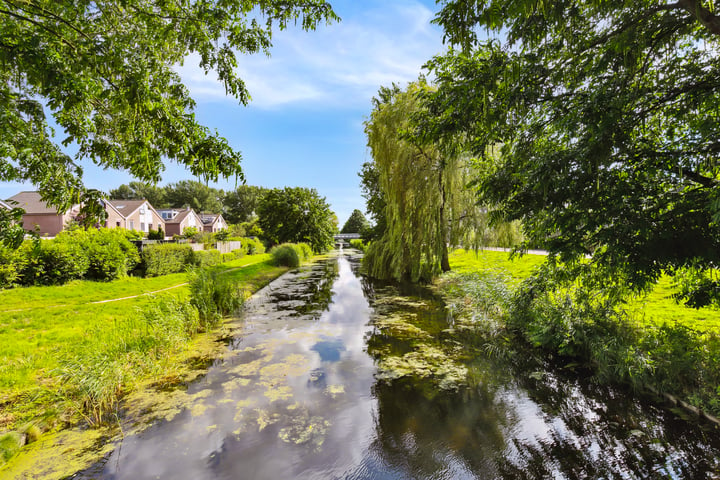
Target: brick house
[136,215]
[213,223]
[41,217]
[178,219]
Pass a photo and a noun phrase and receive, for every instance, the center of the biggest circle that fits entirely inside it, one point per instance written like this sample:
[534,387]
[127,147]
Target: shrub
[252,246]
[110,253]
[158,234]
[357,244]
[287,255]
[214,295]
[166,258]
[12,263]
[206,258]
[60,261]
[305,251]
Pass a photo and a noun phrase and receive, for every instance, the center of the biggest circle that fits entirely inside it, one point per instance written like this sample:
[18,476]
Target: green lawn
[657,307]
[41,325]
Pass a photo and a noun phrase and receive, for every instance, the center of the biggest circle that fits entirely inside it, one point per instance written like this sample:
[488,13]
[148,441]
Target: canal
[328,375]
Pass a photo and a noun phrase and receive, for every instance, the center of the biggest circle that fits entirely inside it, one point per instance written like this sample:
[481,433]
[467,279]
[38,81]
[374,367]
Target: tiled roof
[31,203]
[179,217]
[126,207]
[208,218]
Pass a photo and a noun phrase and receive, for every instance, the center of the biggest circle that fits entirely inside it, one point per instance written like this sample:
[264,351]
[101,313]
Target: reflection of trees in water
[309,291]
[521,418]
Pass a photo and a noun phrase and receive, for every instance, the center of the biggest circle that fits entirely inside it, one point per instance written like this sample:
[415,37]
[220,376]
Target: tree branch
[708,19]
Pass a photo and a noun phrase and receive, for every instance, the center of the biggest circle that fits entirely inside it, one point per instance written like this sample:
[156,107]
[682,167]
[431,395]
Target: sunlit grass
[657,307]
[41,326]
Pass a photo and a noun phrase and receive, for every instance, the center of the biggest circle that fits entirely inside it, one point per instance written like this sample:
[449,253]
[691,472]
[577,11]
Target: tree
[241,204]
[357,223]
[606,119]
[374,200]
[297,215]
[422,185]
[141,191]
[194,194]
[104,70]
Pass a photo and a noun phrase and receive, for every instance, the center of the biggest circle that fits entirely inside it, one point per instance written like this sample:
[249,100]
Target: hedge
[166,258]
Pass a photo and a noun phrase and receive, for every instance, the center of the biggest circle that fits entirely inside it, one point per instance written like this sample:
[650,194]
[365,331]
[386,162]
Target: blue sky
[304,125]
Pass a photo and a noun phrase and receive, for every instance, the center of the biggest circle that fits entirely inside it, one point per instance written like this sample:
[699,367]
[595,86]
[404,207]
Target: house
[178,219]
[132,215]
[213,223]
[41,217]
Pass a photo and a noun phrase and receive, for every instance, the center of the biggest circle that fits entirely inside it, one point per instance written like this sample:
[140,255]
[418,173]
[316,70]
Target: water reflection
[334,376]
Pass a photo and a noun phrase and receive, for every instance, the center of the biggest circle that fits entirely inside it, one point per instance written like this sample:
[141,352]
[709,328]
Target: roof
[209,218]
[32,203]
[182,215]
[5,205]
[126,207]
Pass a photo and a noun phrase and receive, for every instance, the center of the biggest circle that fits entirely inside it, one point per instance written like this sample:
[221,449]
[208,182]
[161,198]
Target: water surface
[336,377]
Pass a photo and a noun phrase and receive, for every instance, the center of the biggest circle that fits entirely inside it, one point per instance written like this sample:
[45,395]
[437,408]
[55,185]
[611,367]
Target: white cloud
[341,64]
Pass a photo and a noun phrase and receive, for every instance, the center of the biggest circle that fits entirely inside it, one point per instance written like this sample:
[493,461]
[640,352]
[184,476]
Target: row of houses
[136,215]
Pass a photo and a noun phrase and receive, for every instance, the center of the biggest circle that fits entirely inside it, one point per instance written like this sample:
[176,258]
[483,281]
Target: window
[117,224]
[132,224]
[142,227]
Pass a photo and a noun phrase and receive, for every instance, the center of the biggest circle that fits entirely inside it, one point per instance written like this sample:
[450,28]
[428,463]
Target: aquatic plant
[214,295]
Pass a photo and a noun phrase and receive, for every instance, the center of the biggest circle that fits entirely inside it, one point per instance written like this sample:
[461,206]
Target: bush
[158,234]
[58,261]
[214,295]
[12,263]
[305,251]
[252,246]
[357,244]
[110,253]
[206,258]
[166,258]
[287,255]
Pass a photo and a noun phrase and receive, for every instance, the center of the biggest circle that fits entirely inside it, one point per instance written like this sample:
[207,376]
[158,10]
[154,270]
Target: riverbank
[65,347]
[648,342]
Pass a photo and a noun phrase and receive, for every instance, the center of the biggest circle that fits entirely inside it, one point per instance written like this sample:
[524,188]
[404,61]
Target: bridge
[347,236]
[344,238]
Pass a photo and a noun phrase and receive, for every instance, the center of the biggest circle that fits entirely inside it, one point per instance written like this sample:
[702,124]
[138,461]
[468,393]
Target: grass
[654,308]
[43,328]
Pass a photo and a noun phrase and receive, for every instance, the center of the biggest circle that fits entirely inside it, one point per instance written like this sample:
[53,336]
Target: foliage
[110,253]
[206,258]
[94,377]
[196,195]
[141,191]
[190,232]
[55,262]
[214,295]
[603,118]
[426,203]
[115,91]
[252,246]
[286,255]
[374,201]
[297,215]
[12,263]
[358,244]
[241,204]
[357,223]
[158,234]
[166,258]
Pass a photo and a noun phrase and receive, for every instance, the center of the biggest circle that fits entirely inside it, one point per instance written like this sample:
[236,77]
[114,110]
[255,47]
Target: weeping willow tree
[426,203]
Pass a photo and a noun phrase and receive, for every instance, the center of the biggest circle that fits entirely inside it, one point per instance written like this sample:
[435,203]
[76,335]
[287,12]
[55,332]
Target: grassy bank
[68,359]
[644,341]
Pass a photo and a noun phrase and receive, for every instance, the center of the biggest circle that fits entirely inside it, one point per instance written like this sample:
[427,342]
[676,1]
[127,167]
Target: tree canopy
[194,194]
[104,71]
[297,215]
[241,204]
[420,187]
[356,223]
[604,117]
